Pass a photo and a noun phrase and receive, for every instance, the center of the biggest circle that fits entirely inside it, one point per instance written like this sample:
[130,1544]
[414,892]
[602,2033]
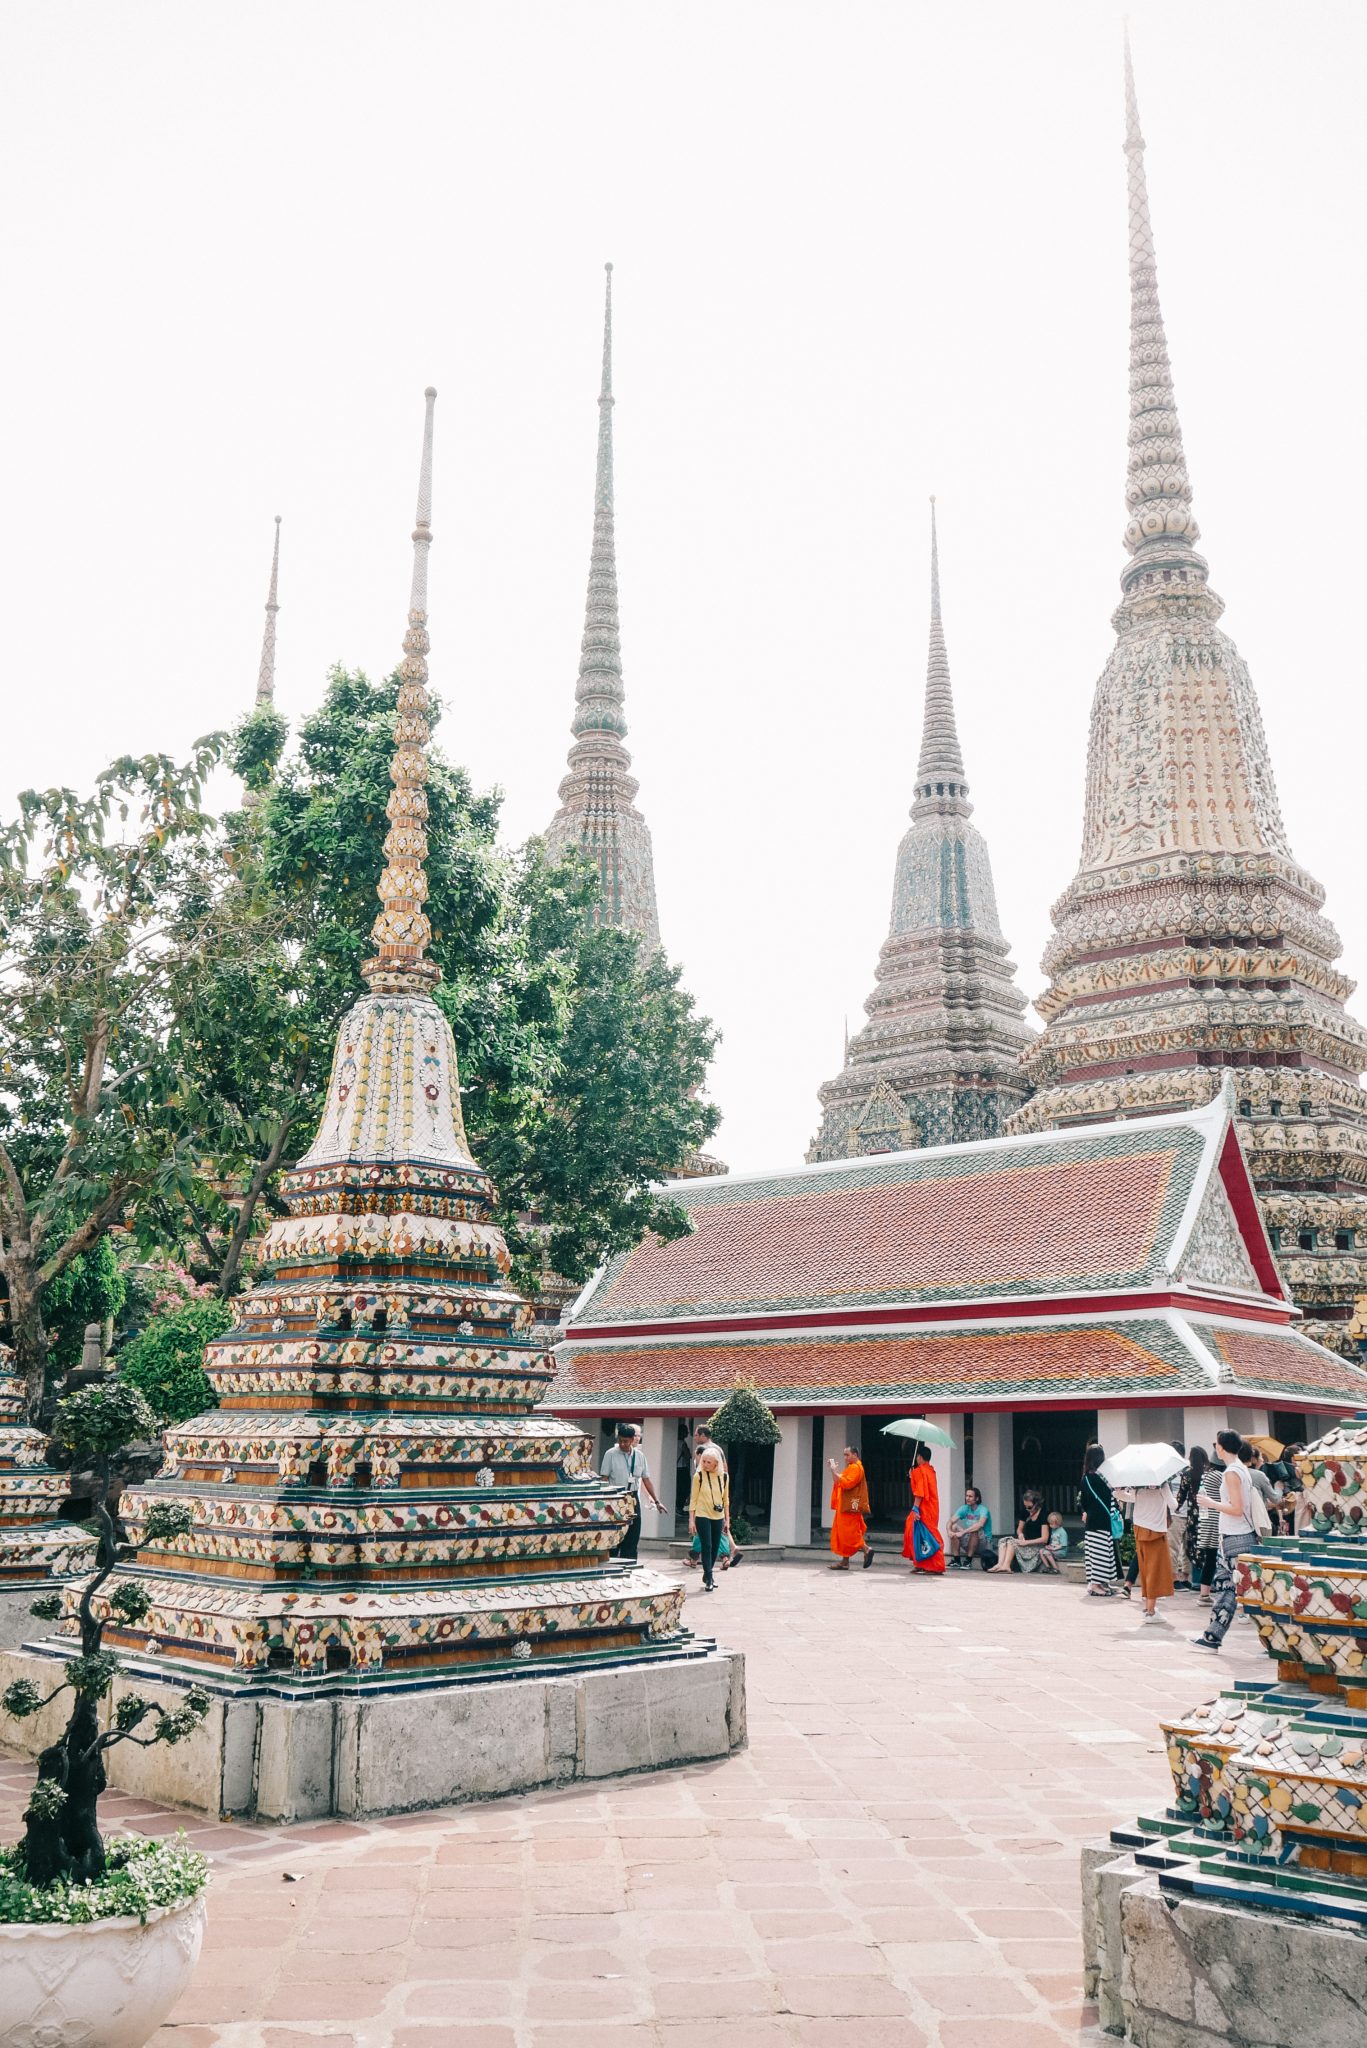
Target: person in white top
[1154,1508]
[1236,1535]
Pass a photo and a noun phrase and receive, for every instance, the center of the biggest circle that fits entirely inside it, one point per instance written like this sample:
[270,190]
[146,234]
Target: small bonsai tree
[741,1424]
[62,1841]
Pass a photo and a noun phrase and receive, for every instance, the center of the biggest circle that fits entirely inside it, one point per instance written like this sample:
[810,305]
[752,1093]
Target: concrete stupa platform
[359,1749]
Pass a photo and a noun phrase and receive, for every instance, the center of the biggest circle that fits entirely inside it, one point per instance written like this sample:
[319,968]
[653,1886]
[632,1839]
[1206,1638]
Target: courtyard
[893,1860]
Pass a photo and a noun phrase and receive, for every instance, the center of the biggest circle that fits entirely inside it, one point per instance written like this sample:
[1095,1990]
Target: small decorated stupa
[1271,1779]
[34,1545]
[374,1494]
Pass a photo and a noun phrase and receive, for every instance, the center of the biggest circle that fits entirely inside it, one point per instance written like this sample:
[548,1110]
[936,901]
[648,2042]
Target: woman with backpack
[1102,1525]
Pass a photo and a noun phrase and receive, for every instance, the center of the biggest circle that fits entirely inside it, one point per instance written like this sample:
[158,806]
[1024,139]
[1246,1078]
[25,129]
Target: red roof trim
[1226,1396]
[1244,1307]
[1238,1184]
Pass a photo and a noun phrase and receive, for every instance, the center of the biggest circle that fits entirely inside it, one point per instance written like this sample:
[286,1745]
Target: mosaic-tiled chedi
[1280,1772]
[938,1062]
[375,1494]
[1190,938]
[598,794]
[34,1544]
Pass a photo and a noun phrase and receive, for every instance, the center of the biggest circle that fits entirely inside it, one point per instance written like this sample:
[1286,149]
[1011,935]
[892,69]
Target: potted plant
[97,1940]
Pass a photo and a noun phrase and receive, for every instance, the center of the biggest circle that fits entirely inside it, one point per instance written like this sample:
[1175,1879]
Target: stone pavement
[892,1862]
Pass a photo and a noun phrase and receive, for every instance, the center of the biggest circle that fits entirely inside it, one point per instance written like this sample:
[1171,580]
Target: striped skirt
[1098,1554]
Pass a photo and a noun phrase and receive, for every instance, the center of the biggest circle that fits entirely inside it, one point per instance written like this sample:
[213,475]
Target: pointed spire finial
[401,931]
[1161,529]
[940,770]
[265,678]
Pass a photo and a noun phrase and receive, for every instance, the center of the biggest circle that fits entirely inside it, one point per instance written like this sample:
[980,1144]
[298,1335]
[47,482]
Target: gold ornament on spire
[401,931]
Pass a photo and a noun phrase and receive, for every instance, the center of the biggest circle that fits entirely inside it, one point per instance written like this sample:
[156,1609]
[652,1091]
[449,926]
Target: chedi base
[306,1752]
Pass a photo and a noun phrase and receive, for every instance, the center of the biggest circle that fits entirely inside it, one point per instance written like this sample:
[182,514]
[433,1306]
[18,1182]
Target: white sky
[863,251]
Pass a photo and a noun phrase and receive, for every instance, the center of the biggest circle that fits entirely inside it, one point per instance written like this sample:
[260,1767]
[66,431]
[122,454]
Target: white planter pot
[108,1984]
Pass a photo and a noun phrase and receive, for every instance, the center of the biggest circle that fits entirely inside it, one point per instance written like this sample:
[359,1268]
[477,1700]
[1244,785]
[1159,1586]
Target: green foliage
[97,1421]
[166,1359]
[744,1420]
[741,1532]
[91,1289]
[93,1674]
[140,1876]
[114,924]
[22,1699]
[581,1057]
[256,746]
[48,1607]
[130,1601]
[167,1519]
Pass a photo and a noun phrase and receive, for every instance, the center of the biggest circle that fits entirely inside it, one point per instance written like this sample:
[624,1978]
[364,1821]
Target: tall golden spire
[401,931]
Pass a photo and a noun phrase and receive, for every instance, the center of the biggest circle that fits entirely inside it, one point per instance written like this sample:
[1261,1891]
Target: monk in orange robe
[925,1507]
[850,1499]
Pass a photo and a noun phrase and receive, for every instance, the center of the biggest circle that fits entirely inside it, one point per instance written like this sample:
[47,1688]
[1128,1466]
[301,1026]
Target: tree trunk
[26,1323]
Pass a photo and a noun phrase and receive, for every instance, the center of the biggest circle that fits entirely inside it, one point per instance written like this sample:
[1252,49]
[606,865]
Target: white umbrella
[1143,1465]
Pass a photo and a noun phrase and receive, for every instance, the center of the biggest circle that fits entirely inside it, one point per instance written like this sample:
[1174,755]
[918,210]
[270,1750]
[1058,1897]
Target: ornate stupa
[938,1062]
[374,1493]
[1191,940]
[1270,1780]
[598,794]
[265,675]
[34,1545]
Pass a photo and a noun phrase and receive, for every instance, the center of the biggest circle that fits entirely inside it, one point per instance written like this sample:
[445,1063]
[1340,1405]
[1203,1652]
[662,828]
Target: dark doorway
[1049,1448]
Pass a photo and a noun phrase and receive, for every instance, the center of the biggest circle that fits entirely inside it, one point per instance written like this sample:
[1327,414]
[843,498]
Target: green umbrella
[920,1432]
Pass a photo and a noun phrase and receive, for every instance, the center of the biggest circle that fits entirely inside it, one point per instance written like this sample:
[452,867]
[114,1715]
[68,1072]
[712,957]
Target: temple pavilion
[939,1061]
[1191,942]
[375,1495]
[1031,1293]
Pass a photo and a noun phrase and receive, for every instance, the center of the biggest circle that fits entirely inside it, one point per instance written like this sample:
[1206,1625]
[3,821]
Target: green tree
[114,921]
[743,1423]
[62,1838]
[165,1361]
[92,1289]
[580,1056]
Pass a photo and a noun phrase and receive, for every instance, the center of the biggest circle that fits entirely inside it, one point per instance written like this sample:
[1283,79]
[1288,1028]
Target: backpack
[1257,1508]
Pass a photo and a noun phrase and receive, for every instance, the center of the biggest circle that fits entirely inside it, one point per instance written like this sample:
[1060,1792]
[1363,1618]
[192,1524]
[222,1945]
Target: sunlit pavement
[893,1860]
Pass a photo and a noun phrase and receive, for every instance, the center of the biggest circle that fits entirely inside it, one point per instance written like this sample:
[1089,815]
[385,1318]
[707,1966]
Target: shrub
[165,1361]
[63,1853]
[139,1876]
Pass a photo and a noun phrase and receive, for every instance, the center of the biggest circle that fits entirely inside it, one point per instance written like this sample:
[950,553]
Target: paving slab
[894,1859]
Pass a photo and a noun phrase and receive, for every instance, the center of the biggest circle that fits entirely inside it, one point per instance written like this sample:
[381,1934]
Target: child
[1058,1541]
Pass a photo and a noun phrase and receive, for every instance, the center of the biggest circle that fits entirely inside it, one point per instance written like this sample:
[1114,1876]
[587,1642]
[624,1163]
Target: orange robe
[925,1501]
[850,1499]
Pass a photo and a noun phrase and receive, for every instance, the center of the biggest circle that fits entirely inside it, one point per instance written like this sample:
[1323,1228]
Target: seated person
[1029,1548]
[1059,1540]
[970,1530]
[727,1553]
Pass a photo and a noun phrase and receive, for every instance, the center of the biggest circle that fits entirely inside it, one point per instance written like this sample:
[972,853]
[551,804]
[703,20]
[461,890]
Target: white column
[1112,1429]
[659,1440]
[949,1467]
[790,1511]
[1202,1425]
[994,1465]
[836,1431]
[1249,1421]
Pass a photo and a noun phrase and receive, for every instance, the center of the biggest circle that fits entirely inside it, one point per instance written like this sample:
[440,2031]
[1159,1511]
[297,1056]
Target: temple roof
[1167,1356]
[1112,1261]
[1111,1205]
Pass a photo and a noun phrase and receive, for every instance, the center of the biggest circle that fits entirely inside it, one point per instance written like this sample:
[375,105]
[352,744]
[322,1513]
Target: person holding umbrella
[1143,1474]
[922,1542]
